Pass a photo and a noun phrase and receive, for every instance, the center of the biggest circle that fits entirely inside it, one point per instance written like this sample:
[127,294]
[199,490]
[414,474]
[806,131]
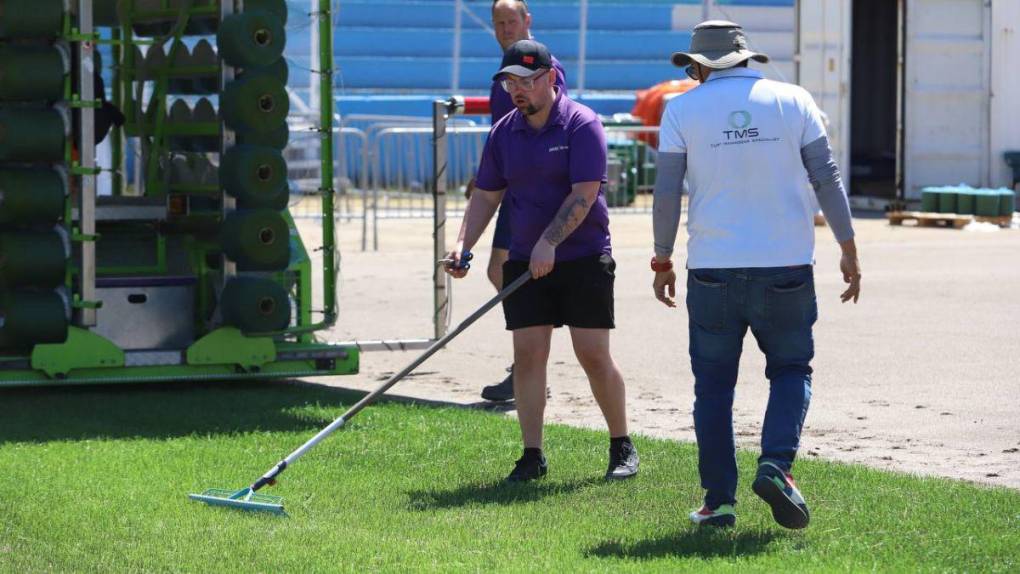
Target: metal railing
[383,170]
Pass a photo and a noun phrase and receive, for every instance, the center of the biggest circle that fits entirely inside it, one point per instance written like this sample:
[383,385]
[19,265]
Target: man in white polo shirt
[743,143]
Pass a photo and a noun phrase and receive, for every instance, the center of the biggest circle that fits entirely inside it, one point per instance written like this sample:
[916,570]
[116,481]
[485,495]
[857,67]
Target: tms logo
[739,121]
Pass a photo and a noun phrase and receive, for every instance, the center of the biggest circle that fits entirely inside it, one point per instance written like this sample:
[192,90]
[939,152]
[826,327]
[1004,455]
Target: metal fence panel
[384,168]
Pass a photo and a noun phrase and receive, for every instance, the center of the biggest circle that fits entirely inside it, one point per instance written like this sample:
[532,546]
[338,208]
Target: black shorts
[578,293]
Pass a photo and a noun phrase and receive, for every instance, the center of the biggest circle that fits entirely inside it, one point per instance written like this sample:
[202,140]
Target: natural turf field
[96,480]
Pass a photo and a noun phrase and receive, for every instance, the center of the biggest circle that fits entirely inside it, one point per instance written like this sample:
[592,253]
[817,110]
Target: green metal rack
[174,278]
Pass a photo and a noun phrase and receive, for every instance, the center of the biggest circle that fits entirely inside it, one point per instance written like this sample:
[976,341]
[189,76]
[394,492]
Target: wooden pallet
[956,221]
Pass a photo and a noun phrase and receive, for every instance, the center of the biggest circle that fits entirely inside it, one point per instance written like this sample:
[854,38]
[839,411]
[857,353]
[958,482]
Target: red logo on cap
[528,59]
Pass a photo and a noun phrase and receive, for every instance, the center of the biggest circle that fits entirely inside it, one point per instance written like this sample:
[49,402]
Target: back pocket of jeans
[706,301]
[791,305]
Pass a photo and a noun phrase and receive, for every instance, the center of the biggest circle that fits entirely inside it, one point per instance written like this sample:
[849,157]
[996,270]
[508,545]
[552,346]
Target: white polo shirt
[742,135]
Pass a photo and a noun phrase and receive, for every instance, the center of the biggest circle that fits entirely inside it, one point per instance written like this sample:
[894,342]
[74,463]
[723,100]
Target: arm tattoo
[571,214]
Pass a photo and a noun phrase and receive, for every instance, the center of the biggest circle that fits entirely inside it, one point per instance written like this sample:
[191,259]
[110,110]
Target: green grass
[95,480]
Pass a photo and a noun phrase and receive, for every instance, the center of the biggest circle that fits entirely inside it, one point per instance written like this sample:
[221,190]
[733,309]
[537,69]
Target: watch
[666,265]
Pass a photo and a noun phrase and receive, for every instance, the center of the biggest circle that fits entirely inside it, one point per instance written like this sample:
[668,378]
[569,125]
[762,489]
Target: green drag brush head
[244,499]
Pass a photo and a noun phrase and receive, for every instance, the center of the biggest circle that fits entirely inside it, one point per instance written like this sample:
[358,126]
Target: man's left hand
[543,257]
[851,269]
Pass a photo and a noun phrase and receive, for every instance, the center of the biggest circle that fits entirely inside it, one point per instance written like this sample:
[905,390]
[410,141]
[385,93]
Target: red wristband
[666,265]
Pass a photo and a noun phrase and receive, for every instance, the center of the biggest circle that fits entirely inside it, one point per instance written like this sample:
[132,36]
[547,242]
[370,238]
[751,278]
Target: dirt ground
[922,376]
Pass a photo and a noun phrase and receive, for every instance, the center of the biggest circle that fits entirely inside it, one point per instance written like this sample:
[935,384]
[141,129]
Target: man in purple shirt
[548,159]
[512,23]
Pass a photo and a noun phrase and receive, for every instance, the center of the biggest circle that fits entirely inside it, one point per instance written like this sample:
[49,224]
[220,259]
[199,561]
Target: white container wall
[960,84]
[947,87]
[1005,97]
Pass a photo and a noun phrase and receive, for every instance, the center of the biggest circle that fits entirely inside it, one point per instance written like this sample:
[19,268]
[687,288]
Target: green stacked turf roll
[201,56]
[965,201]
[31,18]
[251,38]
[255,305]
[31,317]
[257,104]
[255,175]
[104,12]
[256,239]
[31,135]
[152,19]
[930,199]
[277,138]
[277,8]
[181,114]
[32,73]
[276,200]
[987,203]
[279,70]
[1007,202]
[32,259]
[948,201]
[31,196]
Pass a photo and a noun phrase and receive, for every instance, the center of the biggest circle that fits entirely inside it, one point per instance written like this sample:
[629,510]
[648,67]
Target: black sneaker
[528,468]
[623,461]
[501,392]
[780,492]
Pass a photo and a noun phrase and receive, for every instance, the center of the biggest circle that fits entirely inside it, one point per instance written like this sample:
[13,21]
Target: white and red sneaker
[722,515]
[780,492]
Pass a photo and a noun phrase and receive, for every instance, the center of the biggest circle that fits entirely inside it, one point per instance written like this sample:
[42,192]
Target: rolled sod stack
[255,106]
[966,200]
[34,149]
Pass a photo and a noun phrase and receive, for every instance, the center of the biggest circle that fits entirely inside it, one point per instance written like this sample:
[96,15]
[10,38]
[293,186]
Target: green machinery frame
[224,352]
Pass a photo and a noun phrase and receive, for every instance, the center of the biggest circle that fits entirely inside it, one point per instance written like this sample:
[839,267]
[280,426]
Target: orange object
[651,103]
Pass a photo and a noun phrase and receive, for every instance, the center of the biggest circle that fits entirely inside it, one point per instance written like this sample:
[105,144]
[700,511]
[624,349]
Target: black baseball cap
[524,58]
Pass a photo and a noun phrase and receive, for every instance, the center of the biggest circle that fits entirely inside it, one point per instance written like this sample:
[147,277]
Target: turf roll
[32,259]
[104,12]
[277,138]
[253,174]
[948,202]
[152,19]
[256,239]
[279,70]
[275,200]
[277,8]
[29,317]
[31,135]
[987,204]
[1007,202]
[31,18]
[258,104]
[203,55]
[31,196]
[255,305]
[32,73]
[251,38]
[965,203]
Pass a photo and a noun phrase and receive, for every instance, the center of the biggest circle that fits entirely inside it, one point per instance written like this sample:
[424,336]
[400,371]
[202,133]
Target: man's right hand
[452,264]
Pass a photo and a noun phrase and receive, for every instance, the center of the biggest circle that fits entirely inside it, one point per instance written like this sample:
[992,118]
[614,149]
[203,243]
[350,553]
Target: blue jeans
[778,304]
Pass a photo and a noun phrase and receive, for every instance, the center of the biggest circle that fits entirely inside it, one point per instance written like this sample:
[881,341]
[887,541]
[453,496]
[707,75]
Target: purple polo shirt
[500,102]
[538,168]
